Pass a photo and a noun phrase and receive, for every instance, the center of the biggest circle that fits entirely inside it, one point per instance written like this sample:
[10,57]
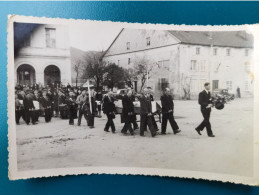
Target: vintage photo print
[90,97]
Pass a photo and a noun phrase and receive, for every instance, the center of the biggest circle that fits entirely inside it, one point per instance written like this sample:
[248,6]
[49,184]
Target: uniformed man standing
[168,112]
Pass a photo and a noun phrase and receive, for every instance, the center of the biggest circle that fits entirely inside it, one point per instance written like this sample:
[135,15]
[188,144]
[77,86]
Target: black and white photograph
[107,97]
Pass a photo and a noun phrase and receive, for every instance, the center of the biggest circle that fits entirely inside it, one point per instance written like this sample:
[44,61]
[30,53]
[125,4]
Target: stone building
[185,60]
[42,54]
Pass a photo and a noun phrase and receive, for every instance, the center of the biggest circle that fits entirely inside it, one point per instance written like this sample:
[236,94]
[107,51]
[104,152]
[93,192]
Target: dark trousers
[127,125]
[110,123]
[29,116]
[48,114]
[80,114]
[145,121]
[17,116]
[205,122]
[90,119]
[154,122]
[71,113]
[170,117]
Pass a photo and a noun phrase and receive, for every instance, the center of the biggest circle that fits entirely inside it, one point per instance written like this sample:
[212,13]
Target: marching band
[72,103]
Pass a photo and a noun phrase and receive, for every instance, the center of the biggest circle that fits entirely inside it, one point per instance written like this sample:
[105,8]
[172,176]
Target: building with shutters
[185,60]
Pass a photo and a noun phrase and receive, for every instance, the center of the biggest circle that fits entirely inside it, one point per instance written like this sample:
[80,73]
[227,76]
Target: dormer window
[148,41]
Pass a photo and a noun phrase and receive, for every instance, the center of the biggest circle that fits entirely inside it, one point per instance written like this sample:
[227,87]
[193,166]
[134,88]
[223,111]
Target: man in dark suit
[29,108]
[168,112]
[128,112]
[109,110]
[205,102]
[146,114]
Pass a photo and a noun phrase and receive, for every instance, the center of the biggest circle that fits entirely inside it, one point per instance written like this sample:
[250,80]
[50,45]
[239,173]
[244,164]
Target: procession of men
[78,103]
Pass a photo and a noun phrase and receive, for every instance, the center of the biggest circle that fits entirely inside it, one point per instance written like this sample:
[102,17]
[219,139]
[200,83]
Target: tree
[94,67]
[142,70]
[77,66]
[115,75]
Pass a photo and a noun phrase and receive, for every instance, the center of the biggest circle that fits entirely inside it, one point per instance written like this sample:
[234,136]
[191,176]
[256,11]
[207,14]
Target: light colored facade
[44,56]
[183,64]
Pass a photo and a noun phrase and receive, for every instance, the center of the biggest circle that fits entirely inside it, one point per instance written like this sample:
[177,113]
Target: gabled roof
[239,39]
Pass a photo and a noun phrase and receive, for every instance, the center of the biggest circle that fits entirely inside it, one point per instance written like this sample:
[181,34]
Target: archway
[51,75]
[26,75]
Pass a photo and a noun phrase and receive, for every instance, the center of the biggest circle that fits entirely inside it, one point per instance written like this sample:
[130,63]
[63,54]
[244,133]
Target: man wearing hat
[205,102]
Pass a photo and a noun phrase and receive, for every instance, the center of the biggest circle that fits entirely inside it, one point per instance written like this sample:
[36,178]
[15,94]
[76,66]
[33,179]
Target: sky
[90,36]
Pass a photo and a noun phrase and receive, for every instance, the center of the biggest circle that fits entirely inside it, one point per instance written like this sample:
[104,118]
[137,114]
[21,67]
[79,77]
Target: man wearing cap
[81,102]
[168,112]
[205,102]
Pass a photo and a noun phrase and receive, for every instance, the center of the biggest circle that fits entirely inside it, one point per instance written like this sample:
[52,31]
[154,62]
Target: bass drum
[219,105]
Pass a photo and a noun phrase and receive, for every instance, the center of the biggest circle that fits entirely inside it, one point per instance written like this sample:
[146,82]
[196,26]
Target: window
[228,52]
[203,66]
[50,37]
[246,52]
[229,85]
[197,51]
[128,60]
[164,64]
[128,45]
[163,83]
[194,65]
[148,41]
[215,51]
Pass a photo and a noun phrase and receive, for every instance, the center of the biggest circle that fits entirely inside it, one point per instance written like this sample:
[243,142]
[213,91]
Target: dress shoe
[154,134]
[198,131]
[163,133]
[212,135]
[177,131]
[106,130]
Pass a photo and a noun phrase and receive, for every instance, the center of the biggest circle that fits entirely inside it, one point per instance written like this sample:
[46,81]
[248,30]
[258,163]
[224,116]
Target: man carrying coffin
[146,114]
[168,112]
[128,112]
[205,102]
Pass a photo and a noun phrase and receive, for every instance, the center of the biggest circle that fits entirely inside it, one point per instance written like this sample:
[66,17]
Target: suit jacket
[204,99]
[128,105]
[108,105]
[28,102]
[145,105]
[167,103]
